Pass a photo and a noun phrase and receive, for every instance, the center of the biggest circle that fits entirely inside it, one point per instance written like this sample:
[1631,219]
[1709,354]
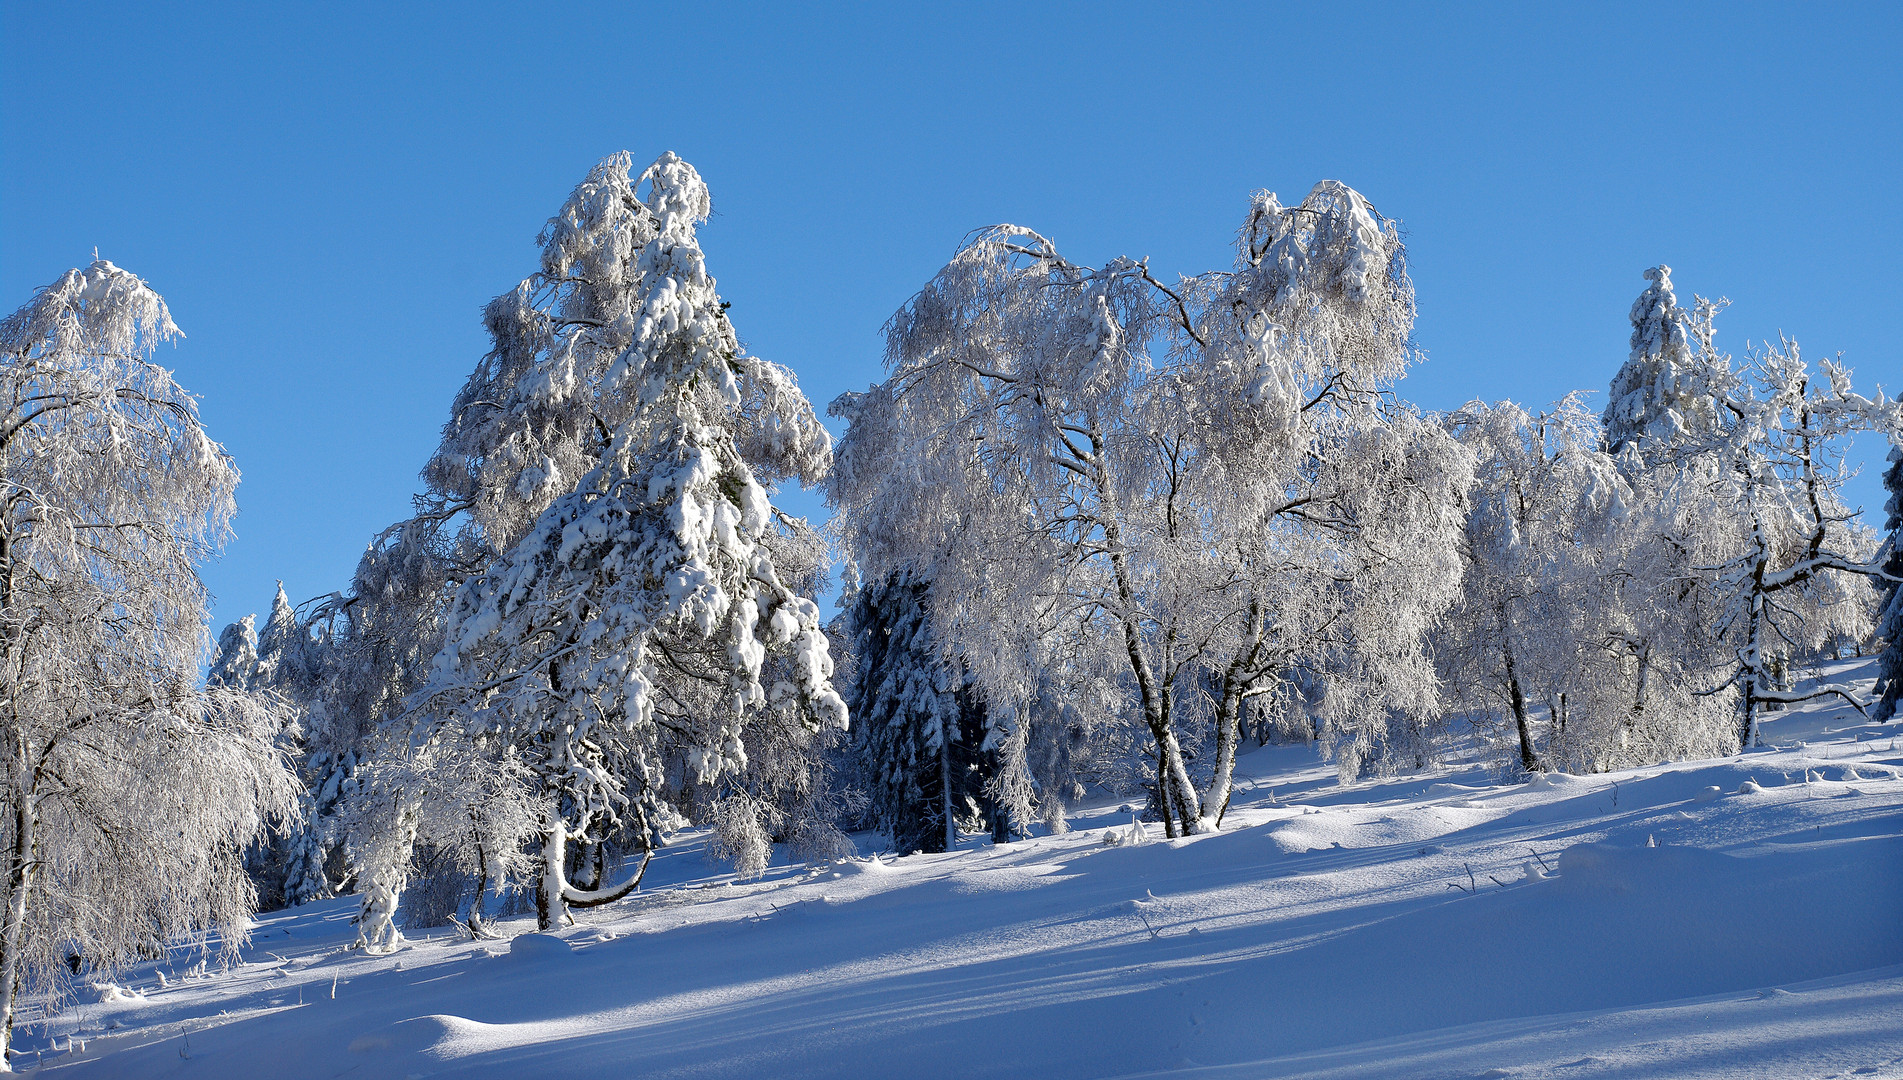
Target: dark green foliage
[919,726]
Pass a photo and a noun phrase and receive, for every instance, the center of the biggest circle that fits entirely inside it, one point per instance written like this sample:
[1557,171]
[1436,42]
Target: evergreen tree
[1664,392]
[1889,687]
[283,652]
[641,619]
[919,723]
[236,664]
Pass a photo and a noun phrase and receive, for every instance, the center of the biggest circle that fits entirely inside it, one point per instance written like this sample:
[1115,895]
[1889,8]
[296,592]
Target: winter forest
[1097,539]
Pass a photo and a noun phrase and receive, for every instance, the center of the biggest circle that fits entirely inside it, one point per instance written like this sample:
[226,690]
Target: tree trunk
[1528,759]
[553,893]
[19,889]
[1178,797]
[1753,662]
[945,787]
[482,879]
[1228,734]
[1229,719]
[1644,685]
[551,909]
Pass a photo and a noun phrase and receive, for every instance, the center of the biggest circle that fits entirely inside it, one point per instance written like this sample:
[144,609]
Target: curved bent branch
[597,897]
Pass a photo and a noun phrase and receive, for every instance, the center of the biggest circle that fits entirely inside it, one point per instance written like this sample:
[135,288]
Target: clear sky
[328,194]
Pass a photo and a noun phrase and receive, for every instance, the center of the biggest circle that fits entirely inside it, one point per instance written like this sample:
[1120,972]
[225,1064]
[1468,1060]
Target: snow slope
[1427,926]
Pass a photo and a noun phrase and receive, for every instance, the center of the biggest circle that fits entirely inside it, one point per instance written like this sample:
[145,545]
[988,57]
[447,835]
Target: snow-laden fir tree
[236,662]
[530,421]
[641,612]
[1889,629]
[1190,492]
[919,724]
[130,792]
[1665,393]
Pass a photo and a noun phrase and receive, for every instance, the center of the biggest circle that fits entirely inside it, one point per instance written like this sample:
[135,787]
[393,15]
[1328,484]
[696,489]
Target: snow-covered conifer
[641,610]
[1664,393]
[1889,628]
[236,663]
[283,647]
[918,723]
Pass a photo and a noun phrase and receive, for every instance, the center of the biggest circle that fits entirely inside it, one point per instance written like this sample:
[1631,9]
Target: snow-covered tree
[1665,393]
[641,610]
[1545,500]
[1194,491]
[1646,630]
[919,724]
[130,792]
[1775,542]
[1889,630]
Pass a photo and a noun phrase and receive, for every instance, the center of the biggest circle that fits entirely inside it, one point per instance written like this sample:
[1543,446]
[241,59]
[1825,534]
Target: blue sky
[327,195]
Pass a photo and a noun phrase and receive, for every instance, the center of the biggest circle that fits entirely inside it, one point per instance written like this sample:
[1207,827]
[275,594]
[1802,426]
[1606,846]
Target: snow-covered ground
[1435,925]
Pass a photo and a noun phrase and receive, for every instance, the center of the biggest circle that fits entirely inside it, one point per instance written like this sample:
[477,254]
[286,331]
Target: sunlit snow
[1731,917]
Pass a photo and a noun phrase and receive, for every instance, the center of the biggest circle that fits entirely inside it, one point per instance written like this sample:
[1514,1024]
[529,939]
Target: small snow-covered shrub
[740,838]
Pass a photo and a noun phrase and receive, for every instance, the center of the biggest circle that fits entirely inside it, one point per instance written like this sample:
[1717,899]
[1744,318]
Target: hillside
[1317,936]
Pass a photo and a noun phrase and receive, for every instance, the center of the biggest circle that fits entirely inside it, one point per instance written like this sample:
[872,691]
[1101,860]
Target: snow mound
[419,1035]
[1609,868]
[872,865]
[1008,879]
[1553,782]
[98,993]
[528,947]
[1708,793]
[1301,835]
[1749,787]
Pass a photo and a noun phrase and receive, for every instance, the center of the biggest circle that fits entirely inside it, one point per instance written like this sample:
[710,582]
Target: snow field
[1426,926]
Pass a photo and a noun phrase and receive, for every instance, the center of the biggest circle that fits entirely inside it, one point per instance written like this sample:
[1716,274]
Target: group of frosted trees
[1652,584]
[1198,509]
[1097,530]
